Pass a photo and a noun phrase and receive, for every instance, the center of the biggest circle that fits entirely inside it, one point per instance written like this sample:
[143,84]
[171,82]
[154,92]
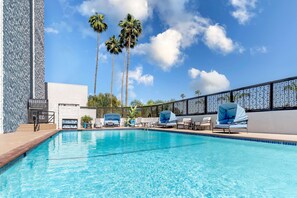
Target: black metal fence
[269,96]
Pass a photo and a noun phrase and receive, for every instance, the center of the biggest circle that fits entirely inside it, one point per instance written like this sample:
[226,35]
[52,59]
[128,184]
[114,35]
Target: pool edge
[16,153]
[229,136]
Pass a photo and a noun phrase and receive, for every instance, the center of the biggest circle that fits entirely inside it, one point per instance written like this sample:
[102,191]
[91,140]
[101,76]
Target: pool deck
[14,145]
[267,137]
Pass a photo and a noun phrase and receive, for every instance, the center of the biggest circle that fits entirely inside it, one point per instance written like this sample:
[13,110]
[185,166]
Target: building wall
[16,62]
[39,49]
[1,66]
[88,112]
[16,78]
[273,122]
[67,112]
[58,93]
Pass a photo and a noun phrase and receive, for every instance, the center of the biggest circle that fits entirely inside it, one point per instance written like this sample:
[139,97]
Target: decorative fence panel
[214,101]
[180,107]
[196,106]
[285,94]
[270,96]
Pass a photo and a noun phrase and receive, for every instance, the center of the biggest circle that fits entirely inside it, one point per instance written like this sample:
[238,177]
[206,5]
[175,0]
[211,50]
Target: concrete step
[30,127]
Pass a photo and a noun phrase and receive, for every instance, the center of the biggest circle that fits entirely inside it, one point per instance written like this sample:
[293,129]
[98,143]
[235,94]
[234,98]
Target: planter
[132,122]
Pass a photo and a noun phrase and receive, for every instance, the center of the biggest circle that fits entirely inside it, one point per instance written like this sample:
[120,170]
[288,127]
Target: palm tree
[131,30]
[198,92]
[124,45]
[122,86]
[96,22]
[114,47]
[182,96]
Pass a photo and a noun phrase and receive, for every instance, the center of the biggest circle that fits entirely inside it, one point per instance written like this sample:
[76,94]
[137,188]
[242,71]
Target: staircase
[30,127]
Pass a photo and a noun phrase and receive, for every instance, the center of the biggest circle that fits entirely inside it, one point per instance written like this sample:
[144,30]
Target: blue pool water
[139,163]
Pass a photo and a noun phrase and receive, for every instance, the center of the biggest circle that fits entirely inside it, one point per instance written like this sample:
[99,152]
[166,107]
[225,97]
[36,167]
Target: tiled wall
[39,49]
[17,60]
[1,67]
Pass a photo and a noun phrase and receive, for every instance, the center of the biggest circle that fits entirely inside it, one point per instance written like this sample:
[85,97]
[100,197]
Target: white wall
[67,112]
[65,100]
[89,112]
[273,122]
[265,122]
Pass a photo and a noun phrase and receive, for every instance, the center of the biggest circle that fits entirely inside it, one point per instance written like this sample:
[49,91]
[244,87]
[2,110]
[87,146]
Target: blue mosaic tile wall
[39,50]
[17,60]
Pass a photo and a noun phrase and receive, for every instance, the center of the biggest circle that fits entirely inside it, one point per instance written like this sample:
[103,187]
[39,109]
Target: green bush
[86,119]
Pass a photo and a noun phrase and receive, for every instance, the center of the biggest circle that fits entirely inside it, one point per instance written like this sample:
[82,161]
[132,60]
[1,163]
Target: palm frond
[97,23]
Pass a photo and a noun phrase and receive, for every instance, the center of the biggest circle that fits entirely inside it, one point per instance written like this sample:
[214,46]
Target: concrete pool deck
[13,145]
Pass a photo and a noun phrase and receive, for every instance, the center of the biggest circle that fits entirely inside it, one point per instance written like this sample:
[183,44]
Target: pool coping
[8,158]
[19,151]
[233,135]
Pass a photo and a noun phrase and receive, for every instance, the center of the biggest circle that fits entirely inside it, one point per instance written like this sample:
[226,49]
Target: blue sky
[186,45]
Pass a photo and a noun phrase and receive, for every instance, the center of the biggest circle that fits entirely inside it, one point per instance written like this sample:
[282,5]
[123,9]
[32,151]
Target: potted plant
[131,116]
[85,120]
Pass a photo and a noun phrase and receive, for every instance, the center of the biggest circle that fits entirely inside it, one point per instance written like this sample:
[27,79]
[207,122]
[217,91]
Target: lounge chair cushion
[233,126]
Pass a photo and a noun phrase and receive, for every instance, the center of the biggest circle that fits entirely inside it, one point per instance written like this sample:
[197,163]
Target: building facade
[68,102]
[21,59]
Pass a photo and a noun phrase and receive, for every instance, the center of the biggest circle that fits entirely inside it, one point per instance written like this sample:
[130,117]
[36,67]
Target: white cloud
[258,50]
[243,10]
[163,49]
[166,48]
[51,30]
[193,73]
[56,28]
[117,9]
[216,39]
[191,29]
[191,26]
[210,82]
[137,75]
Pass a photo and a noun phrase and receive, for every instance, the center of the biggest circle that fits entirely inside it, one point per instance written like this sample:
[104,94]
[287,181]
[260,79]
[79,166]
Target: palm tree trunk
[127,72]
[122,88]
[111,84]
[96,70]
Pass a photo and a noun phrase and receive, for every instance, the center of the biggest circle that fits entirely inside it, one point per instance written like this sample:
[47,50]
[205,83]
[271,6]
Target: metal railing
[37,117]
[269,96]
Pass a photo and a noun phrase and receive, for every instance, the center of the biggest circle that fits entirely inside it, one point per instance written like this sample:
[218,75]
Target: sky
[186,45]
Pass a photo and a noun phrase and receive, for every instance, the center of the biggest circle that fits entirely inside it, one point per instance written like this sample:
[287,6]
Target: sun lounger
[206,122]
[167,119]
[185,123]
[231,116]
[112,119]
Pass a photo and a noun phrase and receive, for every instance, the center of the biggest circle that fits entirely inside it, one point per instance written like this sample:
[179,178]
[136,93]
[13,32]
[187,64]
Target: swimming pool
[137,163]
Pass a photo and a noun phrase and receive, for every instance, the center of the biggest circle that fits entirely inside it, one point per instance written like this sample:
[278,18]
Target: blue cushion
[225,121]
